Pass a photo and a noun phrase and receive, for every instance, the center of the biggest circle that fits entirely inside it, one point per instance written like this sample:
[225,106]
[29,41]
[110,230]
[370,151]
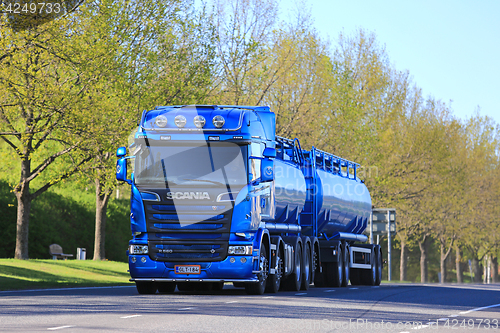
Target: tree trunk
[101,207]
[402,263]
[494,270]
[22,192]
[444,256]
[458,263]
[23,220]
[476,270]
[423,260]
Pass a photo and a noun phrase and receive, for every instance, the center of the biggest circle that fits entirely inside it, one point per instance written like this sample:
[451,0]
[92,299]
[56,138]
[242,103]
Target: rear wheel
[145,287]
[166,287]
[294,281]
[369,276]
[335,270]
[259,287]
[307,264]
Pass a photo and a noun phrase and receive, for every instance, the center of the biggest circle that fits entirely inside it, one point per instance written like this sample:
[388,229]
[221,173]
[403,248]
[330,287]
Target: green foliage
[65,216]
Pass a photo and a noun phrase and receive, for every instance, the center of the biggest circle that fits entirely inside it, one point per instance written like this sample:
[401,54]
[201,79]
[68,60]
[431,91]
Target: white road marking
[443,319]
[453,316]
[300,294]
[268,297]
[481,308]
[329,291]
[186,309]
[376,287]
[231,302]
[353,288]
[59,289]
[132,316]
[59,327]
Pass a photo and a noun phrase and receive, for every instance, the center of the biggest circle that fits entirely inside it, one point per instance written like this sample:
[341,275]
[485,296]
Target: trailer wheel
[259,287]
[378,257]
[145,287]
[166,287]
[294,281]
[274,280]
[355,276]
[307,267]
[369,276]
[335,270]
[346,260]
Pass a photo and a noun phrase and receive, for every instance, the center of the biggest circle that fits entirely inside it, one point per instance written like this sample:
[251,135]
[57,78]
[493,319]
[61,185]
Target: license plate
[187,269]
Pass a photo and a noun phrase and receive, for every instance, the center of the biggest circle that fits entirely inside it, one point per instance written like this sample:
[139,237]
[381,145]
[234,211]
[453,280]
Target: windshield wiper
[204,180]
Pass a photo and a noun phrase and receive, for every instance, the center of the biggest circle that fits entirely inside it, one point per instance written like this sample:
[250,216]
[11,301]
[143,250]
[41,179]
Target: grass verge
[34,273]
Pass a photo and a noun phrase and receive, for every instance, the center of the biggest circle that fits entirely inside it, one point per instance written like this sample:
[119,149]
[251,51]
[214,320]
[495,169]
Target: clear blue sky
[450,47]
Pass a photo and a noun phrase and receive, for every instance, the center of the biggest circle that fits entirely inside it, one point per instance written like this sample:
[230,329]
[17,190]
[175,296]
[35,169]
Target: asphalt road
[388,308]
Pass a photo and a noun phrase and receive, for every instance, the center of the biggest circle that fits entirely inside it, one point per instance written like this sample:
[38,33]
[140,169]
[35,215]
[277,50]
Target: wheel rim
[279,268]
[264,267]
[340,266]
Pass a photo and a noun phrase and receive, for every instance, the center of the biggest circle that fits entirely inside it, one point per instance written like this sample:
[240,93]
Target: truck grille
[196,230]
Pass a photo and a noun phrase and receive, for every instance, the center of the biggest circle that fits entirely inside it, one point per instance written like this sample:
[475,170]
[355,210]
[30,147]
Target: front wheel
[145,287]
[294,281]
[274,280]
[259,287]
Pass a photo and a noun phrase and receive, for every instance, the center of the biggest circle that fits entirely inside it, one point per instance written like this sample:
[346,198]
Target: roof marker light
[199,121]
[218,121]
[180,121]
[161,121]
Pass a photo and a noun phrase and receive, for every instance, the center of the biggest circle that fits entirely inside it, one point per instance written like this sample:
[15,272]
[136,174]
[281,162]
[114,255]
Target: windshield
[208,164]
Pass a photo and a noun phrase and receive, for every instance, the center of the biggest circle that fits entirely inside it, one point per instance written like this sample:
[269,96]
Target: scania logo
[187,195]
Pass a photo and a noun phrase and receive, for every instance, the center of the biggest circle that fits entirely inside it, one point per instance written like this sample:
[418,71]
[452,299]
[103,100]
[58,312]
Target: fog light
[143,259]
[133,260]
[243,260]
[232,260]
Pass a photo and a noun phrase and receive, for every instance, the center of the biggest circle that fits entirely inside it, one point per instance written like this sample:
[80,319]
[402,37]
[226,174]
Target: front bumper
[221,271]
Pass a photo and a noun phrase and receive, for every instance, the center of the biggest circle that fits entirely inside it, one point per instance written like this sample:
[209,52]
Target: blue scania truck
[218,197]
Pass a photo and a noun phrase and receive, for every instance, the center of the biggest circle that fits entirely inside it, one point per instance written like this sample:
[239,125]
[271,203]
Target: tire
[294,281]
[346,260]
[145,287]
[355,276]
[259,287]
[378,257]
[369,276]
[335,270]
[166,287]
[274,280]
[217,286]
[307,267]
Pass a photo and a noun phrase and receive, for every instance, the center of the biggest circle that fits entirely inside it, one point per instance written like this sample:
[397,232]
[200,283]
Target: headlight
[240,250]
[180,121]
[138,249]
[218,121]
[161,121]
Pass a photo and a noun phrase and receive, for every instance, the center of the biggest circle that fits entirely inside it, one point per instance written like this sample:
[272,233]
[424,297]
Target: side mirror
[121,170]
[269,153]
[120,152]
[267,170]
